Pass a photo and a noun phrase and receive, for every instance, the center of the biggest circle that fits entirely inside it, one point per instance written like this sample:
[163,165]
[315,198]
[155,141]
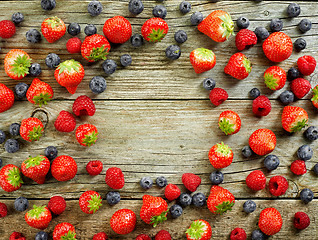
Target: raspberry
[191,181]
[163,235]
[65,122]
[83,105]
[301,220]
[17,236]
[172,192]
[94,168]
[73,45]
[238,234]
[218,96]
[256,180]
[143,237]
[261,106]
[298,167]
[3,210]
[300,87]
[100,236]
[7,29]
[57,205]
[278,185]
[306,64]
[115,178]
[245,39]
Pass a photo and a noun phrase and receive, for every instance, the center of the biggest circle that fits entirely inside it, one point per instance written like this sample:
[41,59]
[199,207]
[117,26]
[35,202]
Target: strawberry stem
[155,220]
[90,139]
[299,125]
[34,161]
[42,99]
[21,65]
[222,148]
[70,235]
[95,203]
[156,35]
[227,25]
[14,177]
[226,126]
[196,229]
[53,22]
[98,53]
[36,211]
[270,81]
[69,65]
[36,133]
[224,207]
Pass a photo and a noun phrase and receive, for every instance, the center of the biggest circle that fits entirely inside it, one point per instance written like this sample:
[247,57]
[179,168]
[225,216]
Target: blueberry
[208,83]
[52,60]
[247,151]
[113,198]
[41,236]
[74,29]
[276,25]
[293,10]
[254,93]
[242,22]
[135,6]
[180,36]
[94,8]
[258,235]
[311,133]
[304,25]
[17,17]
[21,89]
[199,199]
[287,97]
[35,69]
[136,40]
[97,84]
[14,129]
[315,169]
[2,136]
[249,206]
[196,18]
[161,181]
[0,163]
[261,33]
[175,211]
[90,29]
[292,73]
[173,52]
[185,199]
[109,66]
[11,145]
[306,195]
[216,177]
[51,152]
[271,162]
[300,44]
[125,60]
[185,7]
[146,182]
[33,36]
[21,204]
[304,152]
[48,4]
[159,11]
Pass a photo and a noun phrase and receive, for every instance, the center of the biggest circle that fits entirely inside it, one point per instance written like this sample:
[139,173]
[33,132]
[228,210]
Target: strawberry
[294,118]
[278,47]
[220,155]
[64,231]
[36,168]
[199,230]
[154,29]
[218,25]
[38,217]
[172,192]
[117,29]
[90,202]
[6,98]
[153,210]
[191,181]
[63,168]
[275,77]
[10,178]
[314,99]
[202,60]
[300,87]
[86,134]
[53,28]
[101,236]
[270,221]
[7,29]
[220,200]
[95,48]
[69,74]
[115,178]
[262,141]
[256,180]
[65,122]
[39,92]
[31,129]
[17,63]
[239,66]
[123,221]
[229,122]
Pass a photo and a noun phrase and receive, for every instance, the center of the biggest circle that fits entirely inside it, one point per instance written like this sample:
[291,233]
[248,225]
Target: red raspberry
[278,185]
[73,45]
[298,167]
[261,106]
[191,181]
[143,237]
[218,96]
[172,192]
[3,210]
[83,105]
[94,168]
[300,87]
[238,234]
[256,180]
[115,178]
[301,220]
[163,235]
[65,122]
[7,29]
[100,236]
[57,205]
[17,236]
[245,39]
[306,64]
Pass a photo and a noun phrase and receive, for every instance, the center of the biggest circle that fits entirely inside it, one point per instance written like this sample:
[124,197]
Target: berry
[114,178]
[117,29]
[17,236]
[229,122]
[314,99]
[191,181]
[73,45]
[90,29]
[64,230]
[304,152]
[294,118]
[86,134]
[300,44]
[50,152]
[52,60]
[238,234]
[292,74]
[21,89]
[36,168]
[135,6]
[185,7]
[39,92]
[33,36]
[176,211]
[159,11]
[270,221]
[14,129]
[153,210]
[97,84]
[65,122]
[293,10]
[202,60]
[185,199]
[258,235]
[21,204]
[304,25]
[208,83]
[298,167]
[11,145]
[278,47]
[306,195]
[245,39]
[256,180]
[83,105]
[199,199]
[173,52]
[0,163]
[123,221]
[38,217]
[161,181]
[35,69]
[100,236]
[275,78]
[300,87]
[146,182]
[58,170]
[154,29]
[7,29]
[220,200]
[276,25]
[48,4]
[94,168]
[287,97]
[113,198]
[2,136]
[301,220]
[262,141]
[271,162]
[196,18]
[216,177]
[249,206]
[163,235]
[261,33]
[125,60]
[94,8]
[17,17]
[311,133]
[17,63]
[239,66]
[278,185]
[74,29]
[41,236]
[261,106]
[109,66]
[242,22]
[53,28]
[172,192]
[143,237]
[90,202]
[3,210]
[199,230]
[220,155]
[57,205]
[247,151]
[180,36]
[136,40]
[306,65]
[254,93]
[218,96]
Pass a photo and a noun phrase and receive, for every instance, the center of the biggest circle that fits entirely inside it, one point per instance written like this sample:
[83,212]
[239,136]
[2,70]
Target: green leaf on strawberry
[36,211]
[14,177]
[36,133]
[69,65]
[21,65]
[156,35]
[196,229]
[69,236]
[247,64]
[34,161]
[53,22]
[95,203]
[227,25]
[90,138]
[98,53]
[226,126]
[42,99]
[222,148]
[224,207]
[299,125]
[155,220]
[270,81]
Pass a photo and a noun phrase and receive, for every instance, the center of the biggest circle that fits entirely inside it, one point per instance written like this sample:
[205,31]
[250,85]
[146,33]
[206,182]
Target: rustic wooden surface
[155,119]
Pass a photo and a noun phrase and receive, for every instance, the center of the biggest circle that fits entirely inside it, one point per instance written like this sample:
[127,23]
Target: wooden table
[156,119]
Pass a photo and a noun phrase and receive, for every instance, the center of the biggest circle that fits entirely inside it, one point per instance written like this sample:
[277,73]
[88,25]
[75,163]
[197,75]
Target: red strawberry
[245,39]
[220,200]
[115,178]
[39,92]
[202,60]
[101,236]
[3,210]
[191,181]
[220,155]
[90,202]
[63,168]
[117,29]
[10,178]
[69,74]
[256,180]
[6,98]
[238,66]
[57,205]
[275,77]
[7,29]
[17,63]
[301,220]
[298,167]
[294,118]
[199,230]
[306,65]
[261,106]
[65,122]
[278,47]
[172,192]
[229,122]
[36,168]
[218,25]
[38,217]
[154,29]
[314,99]
[17,236]
[83,105]
[153,210]
[31,129]
[123,221]
[300,87]
[238,234]
[86,134]
[73,45]
[64,231]
[218,96]
[163,235]
[94,168]
[53,28]
[270,221]
[262,141]
[95,48]
[278,185]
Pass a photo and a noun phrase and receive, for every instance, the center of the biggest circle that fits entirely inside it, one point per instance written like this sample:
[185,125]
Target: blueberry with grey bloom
[249,206]
[33,36]
[242,22]
[48,4]
[125,60]
[185,7]
[300,44]
[311,133]
[109,66]
[196,18]
[173,52]
[159,11]
[51,152]
[35,69]
[247,151]
[216,177]
[11,145]
[90,29]
[276,25]
[185,199]
[287,97]
[74,29]
[254,93]
[52,60]
[304,25]
[258,235]
[41,236]
[136,40]
[209,83]
[180,36]
[113,198]
[2,136]
[304,152]
[14,129]
[261,33]
[293,10]
[292,73]
[21,89]
[315,169]
[17,17]
[146,182]
[135,6]
[271,162]
[97,84]
[95,8]
[199,199]
[306,195]
[176,211]
[161,181]
[0,163]
[21,204]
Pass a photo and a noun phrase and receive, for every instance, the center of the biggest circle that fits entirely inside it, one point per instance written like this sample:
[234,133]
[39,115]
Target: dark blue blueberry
[300,44]
[161,181]
[185,199]
[52,60]
[199,199]
[242,22]
[254,93]
[94,8]
[0,163]
[276,25]
[51,152]
[287,97]
[258,235]
[48,4]
[196,18]
[315,169]
[41,236]
[14,129]
[159,11]
[305,25]
[311,133]
[2,136]
[208,83]
[113,198]
[249,206]
[304,152]
[175,211]
[293,10]
[11,145]
[97,84]
[74,29]
[306,195]
[180,36]
[21,204]
[21,89]
[125,60]
[109,66]
[292,73]
[271,162]
[261,33]
[146,182]
[90,29]
[33,36]
[136,40]
[35,69]
[173,52]
[17,17]
[247,151]
[185,7]
[135,6]
[216,177]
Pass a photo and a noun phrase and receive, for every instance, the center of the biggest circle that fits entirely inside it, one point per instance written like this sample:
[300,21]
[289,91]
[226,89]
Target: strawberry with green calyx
[199,230]
[275,78]
[38,217]
[239,66]
[154,210]
[86,134]
[36,168]
[95,48]
[64,231]
[39,92]
[10,178]
[53,28]
[202,60]
[17,63]
[229,122]
[31,129]
[294,119]
[6,98]
[220,200]
[90,202]
[154,29]
[314,99]
[220,155]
